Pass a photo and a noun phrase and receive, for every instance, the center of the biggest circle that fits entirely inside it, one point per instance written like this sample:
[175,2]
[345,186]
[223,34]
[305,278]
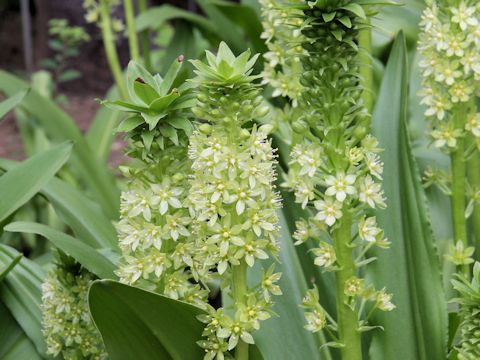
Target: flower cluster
[283,38]
[154,230]
[223,332]
[92,15]
[335,169]
[450,46]
[469,300]
[67,326]
[232,195]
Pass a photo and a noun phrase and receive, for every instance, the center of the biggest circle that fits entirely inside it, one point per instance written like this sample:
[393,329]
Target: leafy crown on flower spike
[225,67]
[158,109]
[469,301]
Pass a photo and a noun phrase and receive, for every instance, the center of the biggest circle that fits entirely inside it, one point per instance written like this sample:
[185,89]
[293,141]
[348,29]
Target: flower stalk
[335,167]
[458,166]
[347,316]
[144,39]
[239,293]
[233,198]
[473,173]
[110,48]
[132,33]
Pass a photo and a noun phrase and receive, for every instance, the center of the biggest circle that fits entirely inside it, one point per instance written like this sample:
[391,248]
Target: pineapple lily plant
[270,205]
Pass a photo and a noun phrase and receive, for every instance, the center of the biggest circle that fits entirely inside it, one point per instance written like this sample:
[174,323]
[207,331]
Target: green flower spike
[233,198]
[155,227]
[335,167]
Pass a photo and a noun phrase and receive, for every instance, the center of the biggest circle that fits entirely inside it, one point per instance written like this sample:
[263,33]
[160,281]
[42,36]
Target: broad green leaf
[101,132]
[417,328]
[157,15]
[138,324]
[221,22]
[14,344]
[20,291]
[60,127]
[85,217]
[21,183]
[90,258]
[11,102]
[391,19]
[247,19]
[184,41]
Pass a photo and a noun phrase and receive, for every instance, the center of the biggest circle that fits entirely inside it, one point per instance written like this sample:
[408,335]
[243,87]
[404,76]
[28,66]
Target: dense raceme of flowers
[336,170]
[232,196]
[450,46]
[154,230]
[67,326]
[469,300]
[283,38]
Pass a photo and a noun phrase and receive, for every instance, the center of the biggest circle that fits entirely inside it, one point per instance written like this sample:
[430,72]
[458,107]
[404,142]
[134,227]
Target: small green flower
[324,255]
[459,254]
[384,301]
[354,286]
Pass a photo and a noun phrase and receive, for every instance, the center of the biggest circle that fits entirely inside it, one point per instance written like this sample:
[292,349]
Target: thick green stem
[347,318]
[458,185]
[144,40]
[366,66]
[239,291]
[132,34]
[110,49]
[474,180]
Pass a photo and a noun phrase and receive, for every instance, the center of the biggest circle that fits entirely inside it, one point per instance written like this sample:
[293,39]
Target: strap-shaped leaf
[90,258]
[284,336]
[60,127]
[20,291]
[15,343]
[85,217]
[21,183]
[417,328]
[11,102]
